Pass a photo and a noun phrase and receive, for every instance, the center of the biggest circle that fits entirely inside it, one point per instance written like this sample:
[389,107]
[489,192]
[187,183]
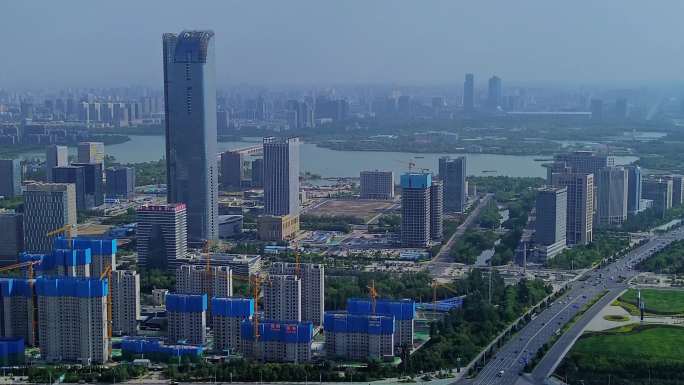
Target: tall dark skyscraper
[495,94]
[281,176]
[469,92]
[633,189]
[453,175]
[190,96]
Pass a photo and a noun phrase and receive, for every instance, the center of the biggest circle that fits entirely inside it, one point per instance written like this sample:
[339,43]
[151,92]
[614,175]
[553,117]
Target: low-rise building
[277,227]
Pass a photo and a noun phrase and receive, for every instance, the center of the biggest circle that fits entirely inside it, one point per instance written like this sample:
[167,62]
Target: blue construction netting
[416,180]
[156,345]
[232,307]
[15,287]
[72,257]
[275,331]
[98,246]
[71,287]
[358,323]
[186,303]
[400,309]
[10,346]
[444,305]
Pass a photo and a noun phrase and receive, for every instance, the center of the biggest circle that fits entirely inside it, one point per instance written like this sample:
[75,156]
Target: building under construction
[187,319]
[277,341]
[227,315]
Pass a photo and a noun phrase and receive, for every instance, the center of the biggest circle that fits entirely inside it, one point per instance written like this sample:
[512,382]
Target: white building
[312,278]
[187,319]
[125,302]
[282,298]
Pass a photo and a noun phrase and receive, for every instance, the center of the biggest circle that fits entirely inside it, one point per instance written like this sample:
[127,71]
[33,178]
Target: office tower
[312,277]
[403,311]
[217,281]
[10,178]
[359,336]
[596,107]
[76,176]
[222,122]
[231,170]
[550,225]
[282,298]
[281,176]
[94,189]
[227,314]
[660,192]
[125,287]
[120,182]
[633,189]
[91,152]
[377,185]
[436,209]
[621,109]
[190,97]
[47,207]
[11,237]
[580,210]
[72,320]
[452,172]
[585,162]
[469,93]
[187,319]
[102,251]
[555,167]
[17,310]
[494,94]
[161,235]
[611,201]
[277,341]
[258,172]
[55,156]
[677,189]
[415,209]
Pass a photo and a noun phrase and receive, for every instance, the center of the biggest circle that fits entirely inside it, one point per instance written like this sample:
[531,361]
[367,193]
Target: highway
[508,362]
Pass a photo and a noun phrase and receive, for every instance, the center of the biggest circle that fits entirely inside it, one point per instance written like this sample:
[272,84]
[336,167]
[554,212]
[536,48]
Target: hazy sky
[118,42]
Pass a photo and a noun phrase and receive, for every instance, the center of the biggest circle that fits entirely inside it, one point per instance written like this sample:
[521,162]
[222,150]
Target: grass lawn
[657,301]
[635,341]
[616,318]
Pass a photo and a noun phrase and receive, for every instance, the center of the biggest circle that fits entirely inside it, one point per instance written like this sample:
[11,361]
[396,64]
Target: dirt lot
[366,209]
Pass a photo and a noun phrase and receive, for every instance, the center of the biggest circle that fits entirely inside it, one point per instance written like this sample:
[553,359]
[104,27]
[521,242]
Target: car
[500,374]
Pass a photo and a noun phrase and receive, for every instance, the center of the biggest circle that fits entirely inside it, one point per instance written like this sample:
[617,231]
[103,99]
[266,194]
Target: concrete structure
[125,288]
[633,189]
[55,156]
[195,279]
[281,176]
[10,178]
[11,237]
[242,265]
[469,93]
[611,202]
[415,209]
[677,189]
[120,182]
[47,207]
[94,188]
[580,213]
[72,320]
[187,319]
[17,310]
[278,341]
[91,152]
[359,336]
[377,185]
[452,172]
[312,276]
[282,298]
[277,228]
[102,251]
[75,176]
[227,315]
[436,210]
[190,101]
[403,311]
[161,235]
[550,225]
[660,192]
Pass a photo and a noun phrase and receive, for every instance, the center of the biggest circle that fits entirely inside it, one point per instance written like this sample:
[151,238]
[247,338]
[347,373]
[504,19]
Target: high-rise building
[633,189]
[469,93]
[377,185]
[403,311]
[495,93]
[660,192]
[281,176]
[580,209]
[11,237]
[258,172]
[72,319]
[187,319]
[452,172]
[227,314]
[282,298]
[277,341]
[190,100]
[677,189]
[217,281]
[596,107]
[76,176]
[611,201]
[55,156]
[585,162]
[550,225]
[102,251]
[94,188]
[161,235]
[10,178]
[91,152]
[231,170]
[125,287]
[359,336]
[415,209]
[120,182]
[312,276]
[47,207]
[17,310]
[436,209]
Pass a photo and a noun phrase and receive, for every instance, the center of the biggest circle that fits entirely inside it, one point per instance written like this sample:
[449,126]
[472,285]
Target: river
[331,163]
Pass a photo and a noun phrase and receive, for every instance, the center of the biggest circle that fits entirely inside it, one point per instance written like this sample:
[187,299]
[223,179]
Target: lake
[330,163]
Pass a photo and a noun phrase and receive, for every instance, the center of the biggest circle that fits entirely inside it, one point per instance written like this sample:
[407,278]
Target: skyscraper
[94,188]
[377,185]
[11,237]
[76,176]
[436,209]
[161,235]
[580,211]
[120,182]
[55,156]
[611,202]
[10,178]
[281,176]
[415,209]
[551,208]
[190,96]
[633,189]
[469,93]
[312,276]
[677,189]
[91,152]
[125,287]
[282,298]
[452,172]
[494,95]
[47,207]
[660,192]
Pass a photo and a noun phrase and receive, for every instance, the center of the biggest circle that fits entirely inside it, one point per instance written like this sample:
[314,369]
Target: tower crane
[373,293]
[107,273]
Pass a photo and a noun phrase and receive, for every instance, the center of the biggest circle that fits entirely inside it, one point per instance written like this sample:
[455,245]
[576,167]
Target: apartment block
[403,312]
[359,336]
[312,278]
[277,341]
[282,298]
[227,314]
[187,319]
[125,288]
[17,310]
